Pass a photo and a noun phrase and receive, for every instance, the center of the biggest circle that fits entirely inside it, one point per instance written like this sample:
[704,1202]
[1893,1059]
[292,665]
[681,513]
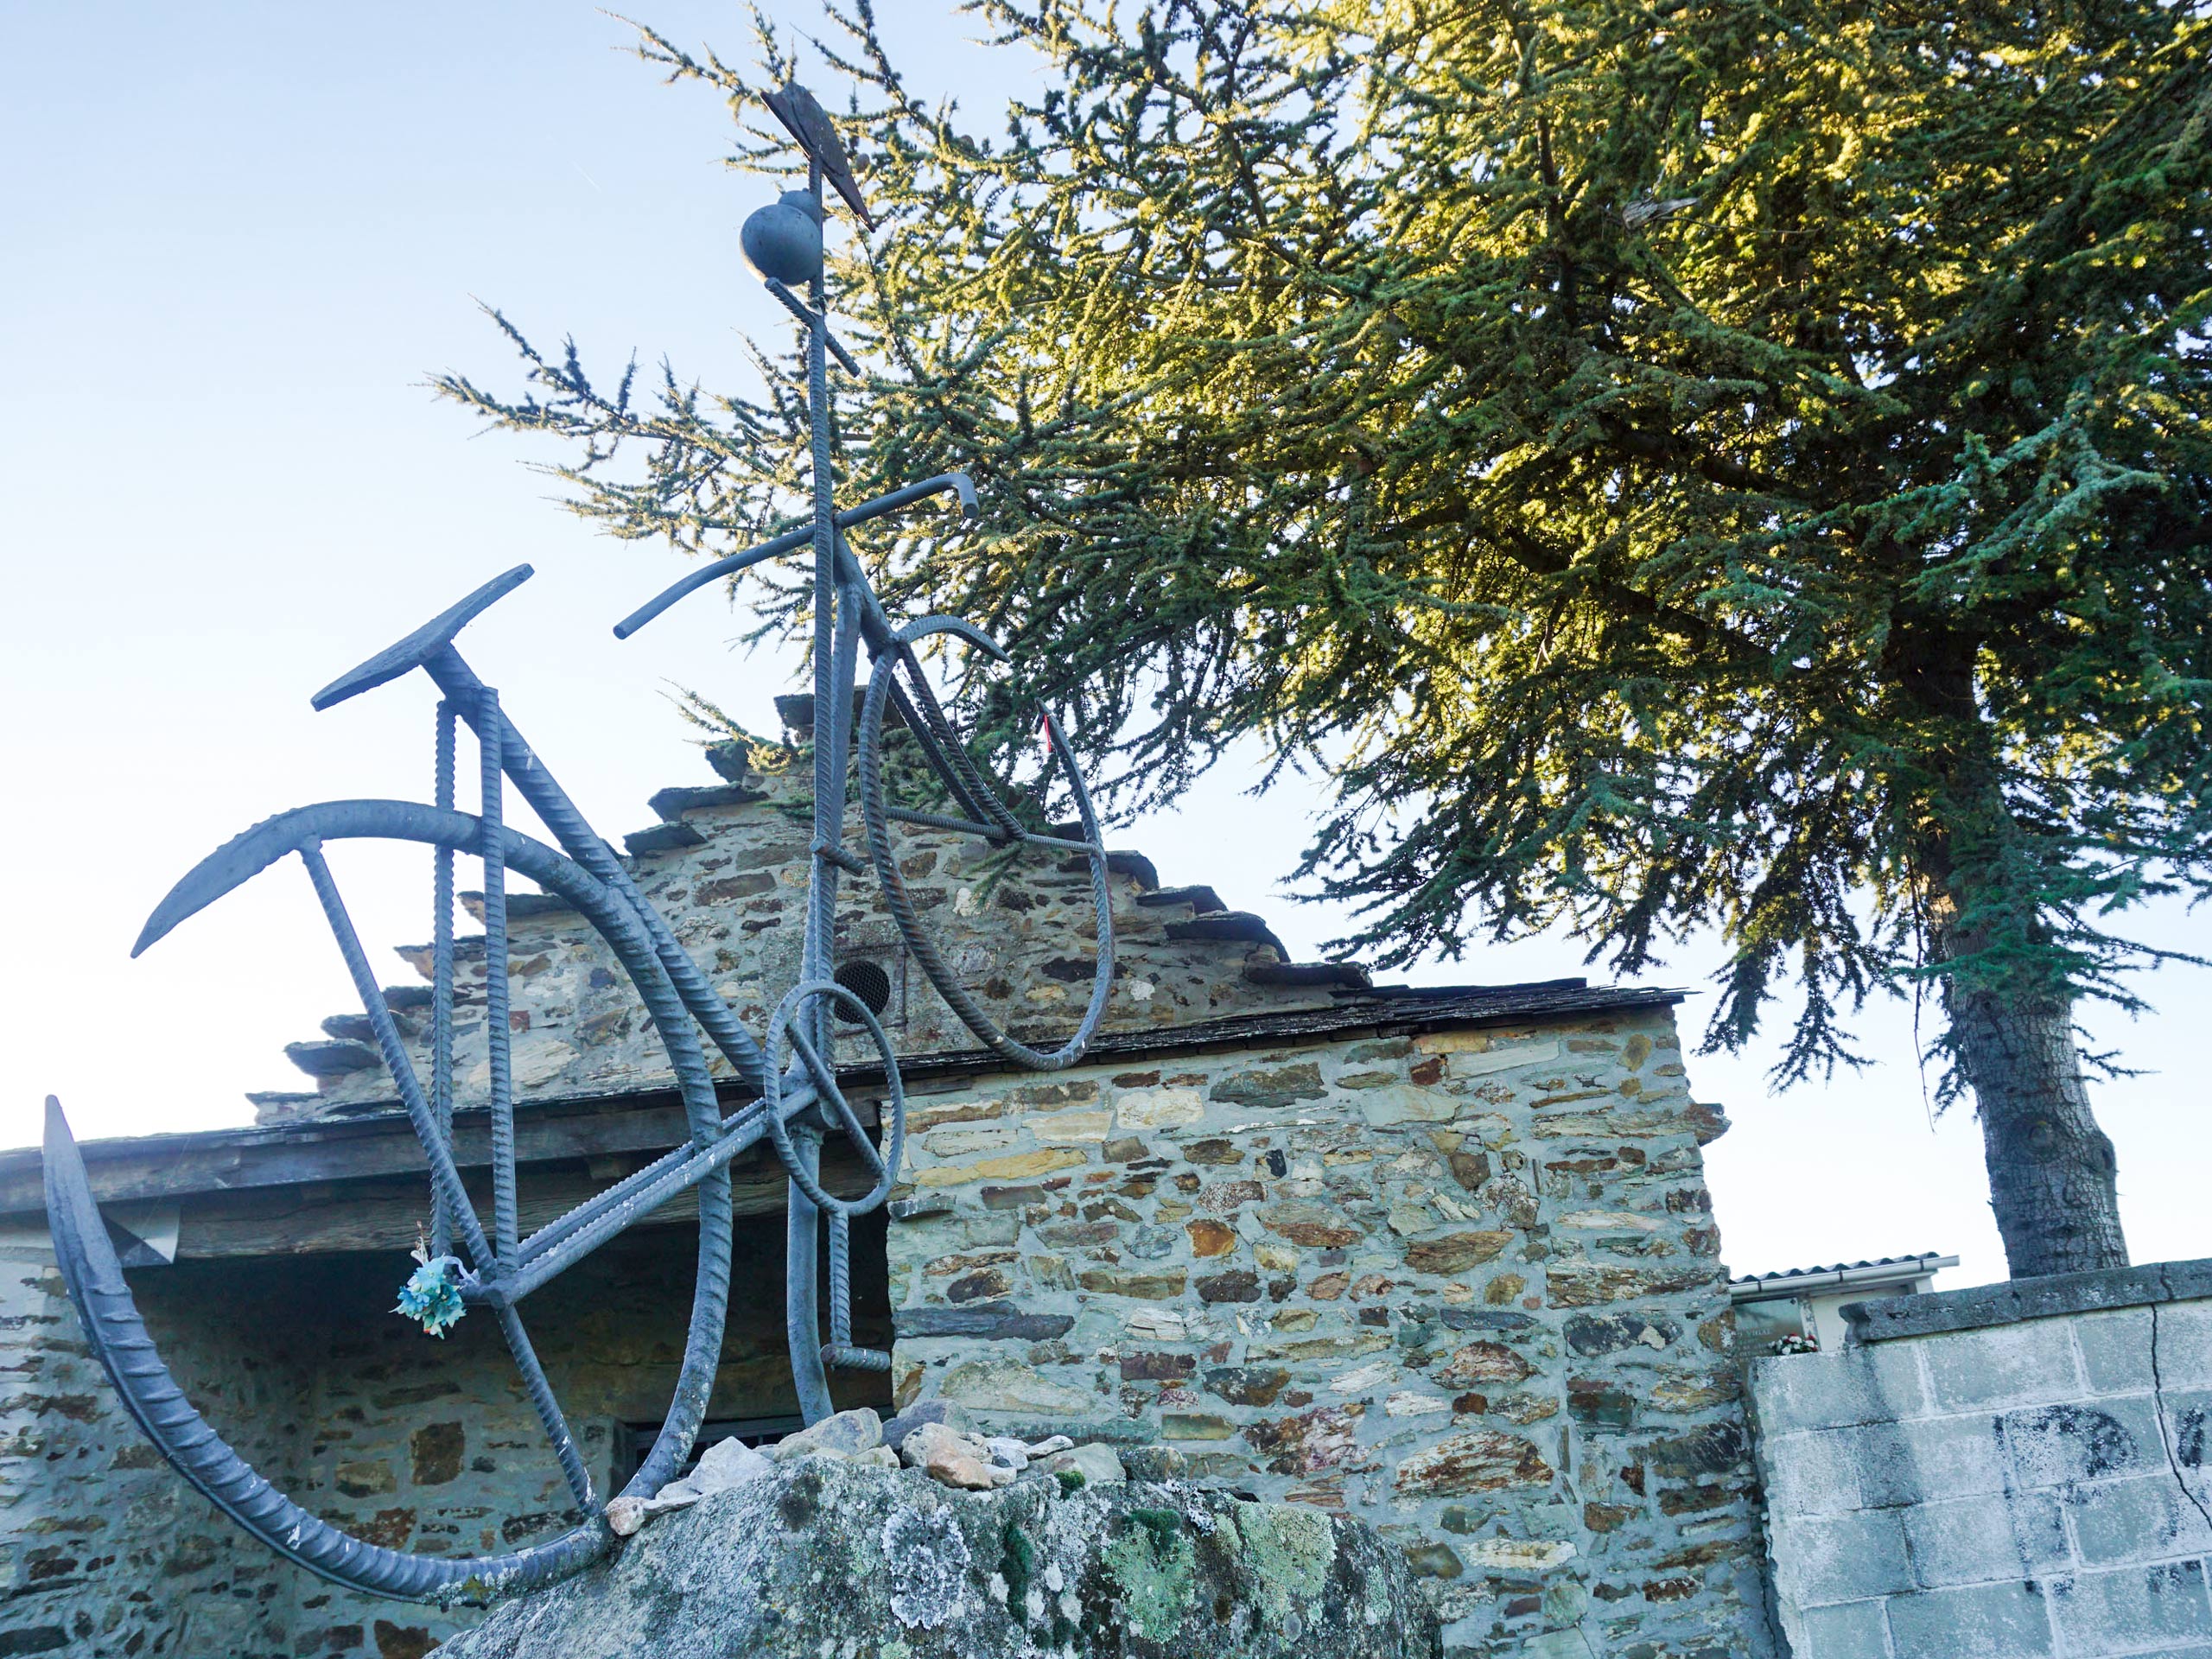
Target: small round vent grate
[866,980]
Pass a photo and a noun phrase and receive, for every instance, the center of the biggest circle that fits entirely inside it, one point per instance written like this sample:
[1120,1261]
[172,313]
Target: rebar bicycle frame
[792,1075]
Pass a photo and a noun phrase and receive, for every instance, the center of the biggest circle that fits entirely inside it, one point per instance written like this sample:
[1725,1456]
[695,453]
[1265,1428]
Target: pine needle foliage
[1711,462]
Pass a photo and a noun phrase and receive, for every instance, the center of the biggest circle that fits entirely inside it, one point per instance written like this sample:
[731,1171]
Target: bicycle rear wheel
[898,680]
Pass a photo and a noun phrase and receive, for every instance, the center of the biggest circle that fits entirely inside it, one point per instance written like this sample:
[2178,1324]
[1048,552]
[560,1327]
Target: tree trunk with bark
[2052,1170]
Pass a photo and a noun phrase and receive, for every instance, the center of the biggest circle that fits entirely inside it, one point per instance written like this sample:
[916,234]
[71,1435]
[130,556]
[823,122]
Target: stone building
[1442,1258]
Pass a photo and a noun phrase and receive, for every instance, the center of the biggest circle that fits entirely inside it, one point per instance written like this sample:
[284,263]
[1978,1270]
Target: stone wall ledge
[1983,1306]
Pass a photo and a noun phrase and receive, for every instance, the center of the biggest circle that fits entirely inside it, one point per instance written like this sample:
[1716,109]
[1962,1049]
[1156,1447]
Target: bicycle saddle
[421,645]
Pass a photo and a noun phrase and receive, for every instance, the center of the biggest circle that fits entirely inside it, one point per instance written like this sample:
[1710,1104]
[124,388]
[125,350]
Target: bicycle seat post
[817,952]
[831,627]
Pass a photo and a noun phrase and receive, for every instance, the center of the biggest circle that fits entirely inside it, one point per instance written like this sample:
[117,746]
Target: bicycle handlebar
[905,495]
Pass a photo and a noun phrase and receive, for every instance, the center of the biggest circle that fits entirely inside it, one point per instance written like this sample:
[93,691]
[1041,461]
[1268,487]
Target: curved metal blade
[237,861]
[244,856]
[905,496]
[117,1338]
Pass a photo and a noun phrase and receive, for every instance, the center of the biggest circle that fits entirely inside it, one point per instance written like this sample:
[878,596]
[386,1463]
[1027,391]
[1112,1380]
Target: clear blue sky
[233,240]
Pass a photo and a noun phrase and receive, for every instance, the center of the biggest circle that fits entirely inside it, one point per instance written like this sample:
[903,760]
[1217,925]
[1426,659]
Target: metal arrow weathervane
[789,1072]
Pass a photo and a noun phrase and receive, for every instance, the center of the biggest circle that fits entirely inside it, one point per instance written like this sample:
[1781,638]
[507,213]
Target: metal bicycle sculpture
[792,1075]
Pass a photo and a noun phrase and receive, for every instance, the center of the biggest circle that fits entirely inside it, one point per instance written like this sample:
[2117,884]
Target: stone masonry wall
[1464,1285]
[102,1549]
[417,1443]
[2030,1485]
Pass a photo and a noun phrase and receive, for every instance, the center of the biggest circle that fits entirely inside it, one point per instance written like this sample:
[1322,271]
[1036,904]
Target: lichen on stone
[1153,1567]
[928,1558]
[1292,1550]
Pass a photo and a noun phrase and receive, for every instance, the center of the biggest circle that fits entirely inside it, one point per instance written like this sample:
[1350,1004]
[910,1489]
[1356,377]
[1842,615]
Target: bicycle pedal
[855,1359]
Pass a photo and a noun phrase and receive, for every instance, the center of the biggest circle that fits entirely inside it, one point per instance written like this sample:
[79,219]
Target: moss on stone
[1017,1565]
[1164,1526]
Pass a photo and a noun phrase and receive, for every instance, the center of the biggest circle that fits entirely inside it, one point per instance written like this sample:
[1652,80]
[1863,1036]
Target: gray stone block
[662,838]
[2116,1350]
[2142,1520]
[2019,1364]
[1816,1473]
[1985,1621]
[1975,1540]
[1860,1385]
[991,1321]
[1852,1630]
[1935,1458]
[2061,1445]
[2131,1609]
[826,1557]
[2185,1344]
[1822,1560]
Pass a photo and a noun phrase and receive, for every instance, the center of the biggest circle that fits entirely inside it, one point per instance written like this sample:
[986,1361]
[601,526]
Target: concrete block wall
[2013,1472]
[1464,1285]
